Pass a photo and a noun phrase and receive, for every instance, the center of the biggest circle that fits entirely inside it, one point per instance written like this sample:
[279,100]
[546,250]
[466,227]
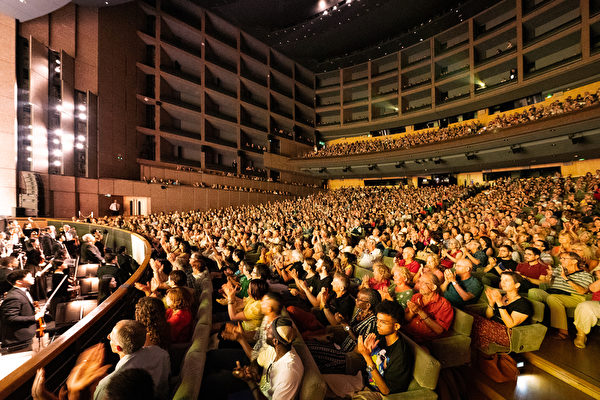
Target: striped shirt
[581,278]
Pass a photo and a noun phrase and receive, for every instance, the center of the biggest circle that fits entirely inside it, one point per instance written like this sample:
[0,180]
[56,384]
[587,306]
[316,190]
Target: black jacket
[18,319]
[90,254]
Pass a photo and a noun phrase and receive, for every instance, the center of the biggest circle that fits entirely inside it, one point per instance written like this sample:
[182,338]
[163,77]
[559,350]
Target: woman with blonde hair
[399,290]
[380,280]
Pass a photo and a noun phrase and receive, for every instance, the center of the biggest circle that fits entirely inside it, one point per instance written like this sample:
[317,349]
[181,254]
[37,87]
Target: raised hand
[371,342]
[88,370]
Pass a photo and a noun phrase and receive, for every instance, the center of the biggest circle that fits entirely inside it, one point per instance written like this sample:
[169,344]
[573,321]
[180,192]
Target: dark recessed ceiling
[354,32]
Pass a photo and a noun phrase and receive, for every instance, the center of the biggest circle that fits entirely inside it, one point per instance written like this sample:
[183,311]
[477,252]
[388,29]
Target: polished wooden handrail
[27,371]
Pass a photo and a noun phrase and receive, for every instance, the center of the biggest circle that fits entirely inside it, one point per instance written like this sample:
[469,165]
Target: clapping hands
[366,345]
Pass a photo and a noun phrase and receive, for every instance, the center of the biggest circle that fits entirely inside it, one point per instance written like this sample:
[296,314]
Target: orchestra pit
[299,199]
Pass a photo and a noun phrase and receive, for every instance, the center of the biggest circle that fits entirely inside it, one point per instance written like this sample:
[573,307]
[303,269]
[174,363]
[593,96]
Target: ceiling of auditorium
[300,29]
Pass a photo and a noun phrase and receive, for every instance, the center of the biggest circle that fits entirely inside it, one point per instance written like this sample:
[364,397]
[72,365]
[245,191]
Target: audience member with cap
[281,379]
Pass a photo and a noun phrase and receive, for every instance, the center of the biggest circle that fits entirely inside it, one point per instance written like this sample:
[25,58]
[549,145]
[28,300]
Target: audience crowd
[503,120]
[354,272]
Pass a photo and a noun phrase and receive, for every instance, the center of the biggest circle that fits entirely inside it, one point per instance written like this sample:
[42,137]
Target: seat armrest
[524,338]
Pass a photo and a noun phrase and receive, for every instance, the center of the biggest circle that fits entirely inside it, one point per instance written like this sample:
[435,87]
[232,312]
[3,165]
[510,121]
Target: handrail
[27,371]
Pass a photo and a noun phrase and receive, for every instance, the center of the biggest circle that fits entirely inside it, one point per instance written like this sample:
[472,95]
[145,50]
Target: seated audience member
[341,302]
[280,379]
[179,316]
[390,359]
[584,251]
[220,362]
[473,252]
[432,264]
[178,279]
[311,278]
[161,268]
[380,280]
[127,341]
[151,312]
[497,265]
[347,263]
[428,315]
[568,285]
[370,254]
[332,357]
[461,288]
[251,315]
[544,248]
[399,290]
[312,290]
[407,259]
[587,313]
[532,270]
[452,255]
[503,311]
[199,273]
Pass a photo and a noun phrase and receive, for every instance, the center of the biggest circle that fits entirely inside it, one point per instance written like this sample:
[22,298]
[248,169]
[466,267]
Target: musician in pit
[18,314]
[35,264]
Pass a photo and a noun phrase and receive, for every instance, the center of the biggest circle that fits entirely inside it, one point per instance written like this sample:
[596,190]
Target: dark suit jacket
[114,271]
[90,254]
[18,322]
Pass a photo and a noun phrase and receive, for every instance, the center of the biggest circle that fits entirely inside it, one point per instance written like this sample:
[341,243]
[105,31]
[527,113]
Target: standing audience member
[127,341]
[280,379]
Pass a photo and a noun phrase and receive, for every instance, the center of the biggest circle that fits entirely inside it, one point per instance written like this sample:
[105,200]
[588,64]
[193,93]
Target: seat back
[389,262]
[427,368]
[463,322]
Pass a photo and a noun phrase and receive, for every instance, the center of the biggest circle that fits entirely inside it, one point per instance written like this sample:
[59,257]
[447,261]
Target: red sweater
[180,324]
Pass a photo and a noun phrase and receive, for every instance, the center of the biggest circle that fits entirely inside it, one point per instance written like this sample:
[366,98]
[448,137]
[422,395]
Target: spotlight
[57,70]
[57,163]
[82,116]
[79,146]
[81,138]
[470,156]
[400,164]
[515,148]
[81,107]
[57,152]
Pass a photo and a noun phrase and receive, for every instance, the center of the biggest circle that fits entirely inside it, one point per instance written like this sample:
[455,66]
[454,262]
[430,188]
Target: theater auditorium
[299,199]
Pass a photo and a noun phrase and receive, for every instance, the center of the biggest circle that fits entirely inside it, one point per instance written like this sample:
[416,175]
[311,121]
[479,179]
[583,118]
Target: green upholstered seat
[455,348]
